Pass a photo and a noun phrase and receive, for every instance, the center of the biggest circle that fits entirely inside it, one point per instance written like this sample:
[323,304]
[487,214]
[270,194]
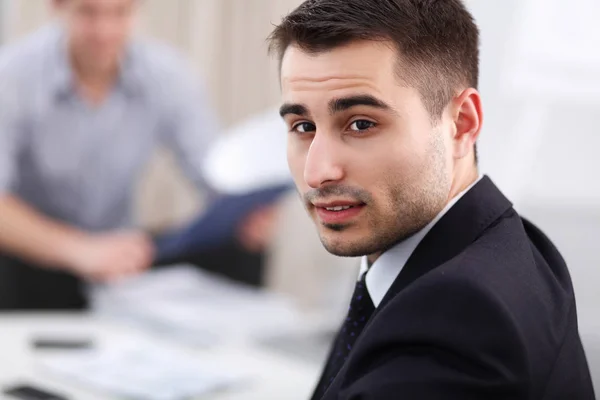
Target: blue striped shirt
[78,162]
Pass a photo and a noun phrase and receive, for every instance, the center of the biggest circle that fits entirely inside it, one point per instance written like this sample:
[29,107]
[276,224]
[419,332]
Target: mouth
[338,212]
[338,208]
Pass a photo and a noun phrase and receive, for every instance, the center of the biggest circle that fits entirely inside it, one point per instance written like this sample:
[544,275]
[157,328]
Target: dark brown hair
[437,40]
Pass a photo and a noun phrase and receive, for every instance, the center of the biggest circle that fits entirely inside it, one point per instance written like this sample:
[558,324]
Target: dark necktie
[360,310]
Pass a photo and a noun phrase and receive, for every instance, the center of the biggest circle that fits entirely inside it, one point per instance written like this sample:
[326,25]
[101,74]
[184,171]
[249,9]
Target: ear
[468,119]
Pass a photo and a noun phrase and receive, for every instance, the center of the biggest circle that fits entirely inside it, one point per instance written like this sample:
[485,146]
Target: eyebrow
[346,103]
[295,109]
[339,105]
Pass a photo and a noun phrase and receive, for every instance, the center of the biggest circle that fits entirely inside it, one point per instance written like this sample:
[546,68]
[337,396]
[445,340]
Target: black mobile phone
[30,392]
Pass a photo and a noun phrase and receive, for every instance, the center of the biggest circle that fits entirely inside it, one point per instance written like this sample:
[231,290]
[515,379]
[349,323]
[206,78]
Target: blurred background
[540,82]
[224,42]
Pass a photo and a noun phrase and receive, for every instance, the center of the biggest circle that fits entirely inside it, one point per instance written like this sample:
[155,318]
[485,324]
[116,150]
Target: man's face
[368,159]
[98,29]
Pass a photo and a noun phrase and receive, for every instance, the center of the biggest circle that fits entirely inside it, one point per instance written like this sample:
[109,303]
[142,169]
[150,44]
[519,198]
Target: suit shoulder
[520,271]
[514,255]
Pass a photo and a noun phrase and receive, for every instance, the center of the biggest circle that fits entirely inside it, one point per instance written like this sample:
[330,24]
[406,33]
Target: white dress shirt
[386,268]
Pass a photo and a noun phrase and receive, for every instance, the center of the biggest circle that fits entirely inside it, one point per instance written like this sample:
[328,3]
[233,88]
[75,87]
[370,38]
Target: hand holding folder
[217,224]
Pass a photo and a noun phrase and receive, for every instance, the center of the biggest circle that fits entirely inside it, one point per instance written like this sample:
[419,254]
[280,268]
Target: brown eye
[304,127]
[361,125]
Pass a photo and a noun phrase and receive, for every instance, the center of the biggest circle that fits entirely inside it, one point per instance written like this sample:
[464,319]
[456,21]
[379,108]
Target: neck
[371,258]
[462,179]
[91,75]
[94,83]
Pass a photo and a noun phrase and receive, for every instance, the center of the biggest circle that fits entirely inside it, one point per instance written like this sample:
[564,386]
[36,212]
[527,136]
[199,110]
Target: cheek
[391,165]
[296,157]
[78,31]
[391,154]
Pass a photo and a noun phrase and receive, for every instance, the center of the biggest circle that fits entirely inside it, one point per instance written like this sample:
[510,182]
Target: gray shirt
[78,162]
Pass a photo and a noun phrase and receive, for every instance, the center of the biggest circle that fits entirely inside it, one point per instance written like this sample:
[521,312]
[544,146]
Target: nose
[323,162]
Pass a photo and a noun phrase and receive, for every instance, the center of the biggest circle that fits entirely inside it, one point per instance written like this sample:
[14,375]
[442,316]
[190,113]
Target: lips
[338,212]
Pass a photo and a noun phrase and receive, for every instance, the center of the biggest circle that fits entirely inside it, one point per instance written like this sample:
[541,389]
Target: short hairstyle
[437,40]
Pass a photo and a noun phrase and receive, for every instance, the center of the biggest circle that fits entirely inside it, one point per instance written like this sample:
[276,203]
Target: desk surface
[274,375]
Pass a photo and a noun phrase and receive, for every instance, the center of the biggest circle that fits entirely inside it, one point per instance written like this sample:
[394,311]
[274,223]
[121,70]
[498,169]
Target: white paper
[196,307]
[141,370]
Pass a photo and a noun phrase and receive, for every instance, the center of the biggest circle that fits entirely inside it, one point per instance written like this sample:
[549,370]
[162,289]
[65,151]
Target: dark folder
[217,224]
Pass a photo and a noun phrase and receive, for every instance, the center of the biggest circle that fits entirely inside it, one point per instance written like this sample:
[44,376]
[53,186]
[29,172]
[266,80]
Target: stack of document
[137,370]
[196,307]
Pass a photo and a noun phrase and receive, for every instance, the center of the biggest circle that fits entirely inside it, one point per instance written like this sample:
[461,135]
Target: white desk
[274,375]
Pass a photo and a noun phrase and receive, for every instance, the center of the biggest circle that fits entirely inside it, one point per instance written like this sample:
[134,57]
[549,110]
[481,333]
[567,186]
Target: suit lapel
[320,390]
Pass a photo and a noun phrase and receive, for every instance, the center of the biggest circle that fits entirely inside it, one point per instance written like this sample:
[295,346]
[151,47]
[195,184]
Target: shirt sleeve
[191,128]
[9,134]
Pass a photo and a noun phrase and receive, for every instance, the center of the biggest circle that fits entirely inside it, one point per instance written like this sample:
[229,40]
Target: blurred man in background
[82,107]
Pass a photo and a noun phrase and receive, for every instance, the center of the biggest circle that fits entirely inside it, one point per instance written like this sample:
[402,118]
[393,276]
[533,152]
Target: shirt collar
[62,77]
[386,268]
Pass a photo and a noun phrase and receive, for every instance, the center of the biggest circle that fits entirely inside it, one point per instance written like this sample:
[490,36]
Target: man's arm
[448,341]
[30,236]
[27,234]
[24,232]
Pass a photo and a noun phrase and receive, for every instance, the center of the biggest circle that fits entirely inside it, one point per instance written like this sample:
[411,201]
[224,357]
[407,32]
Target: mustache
[346,192]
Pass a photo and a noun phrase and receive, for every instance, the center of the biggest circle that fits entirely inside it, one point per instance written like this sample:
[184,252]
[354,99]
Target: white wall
[540,144]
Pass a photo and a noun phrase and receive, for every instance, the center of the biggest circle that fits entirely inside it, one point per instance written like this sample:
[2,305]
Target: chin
[344,244]
[344,250]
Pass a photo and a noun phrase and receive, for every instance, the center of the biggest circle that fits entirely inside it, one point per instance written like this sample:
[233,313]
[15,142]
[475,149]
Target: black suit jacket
[483,309]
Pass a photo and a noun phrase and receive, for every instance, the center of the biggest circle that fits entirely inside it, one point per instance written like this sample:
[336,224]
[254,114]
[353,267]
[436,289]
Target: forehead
[371,63]
[361,67]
